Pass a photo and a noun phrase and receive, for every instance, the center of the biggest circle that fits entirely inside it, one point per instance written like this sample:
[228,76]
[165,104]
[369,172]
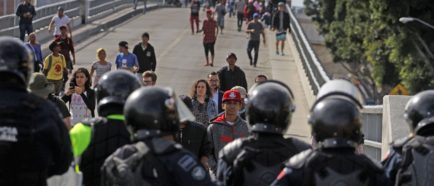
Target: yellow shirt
[58,65]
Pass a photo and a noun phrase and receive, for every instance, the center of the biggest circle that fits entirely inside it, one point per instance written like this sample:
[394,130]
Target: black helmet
[155,110]
[114,88]
[270,107]
[334,117]
[419,107]
[15,59]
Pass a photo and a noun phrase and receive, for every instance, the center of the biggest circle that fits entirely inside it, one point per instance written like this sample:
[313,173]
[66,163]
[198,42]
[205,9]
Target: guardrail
[44,14]
[375,127]
[313,68]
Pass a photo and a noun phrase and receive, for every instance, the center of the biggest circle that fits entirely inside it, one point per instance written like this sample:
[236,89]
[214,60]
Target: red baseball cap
[232,95]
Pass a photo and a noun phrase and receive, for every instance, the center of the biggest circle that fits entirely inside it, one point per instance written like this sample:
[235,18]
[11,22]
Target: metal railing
[44,14]
[312,66]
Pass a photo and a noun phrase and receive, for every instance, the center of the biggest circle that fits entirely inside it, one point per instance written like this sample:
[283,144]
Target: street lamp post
[421,41]
[410,19]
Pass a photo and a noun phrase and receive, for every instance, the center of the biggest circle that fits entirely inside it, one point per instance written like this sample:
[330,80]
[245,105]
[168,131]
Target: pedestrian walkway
[180,55]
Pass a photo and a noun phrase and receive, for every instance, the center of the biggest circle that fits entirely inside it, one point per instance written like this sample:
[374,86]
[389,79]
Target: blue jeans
[25,28]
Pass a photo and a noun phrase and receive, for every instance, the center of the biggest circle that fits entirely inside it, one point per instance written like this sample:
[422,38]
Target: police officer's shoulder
[300,145]
[230,151]
[299,160]
[94,121]
[373,164]
[398,144]
[161,146]
[35,102]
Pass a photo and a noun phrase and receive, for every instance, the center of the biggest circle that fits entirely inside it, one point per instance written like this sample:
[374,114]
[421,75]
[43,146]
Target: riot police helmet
[155,111]
[114,87]
[15,59]
[270,107]
[335,116]
[419,107]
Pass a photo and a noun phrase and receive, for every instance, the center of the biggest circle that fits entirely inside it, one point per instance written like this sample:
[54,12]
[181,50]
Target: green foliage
[367,37]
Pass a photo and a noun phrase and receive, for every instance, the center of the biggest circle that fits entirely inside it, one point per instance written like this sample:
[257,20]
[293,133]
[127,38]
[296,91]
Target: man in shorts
[280,25]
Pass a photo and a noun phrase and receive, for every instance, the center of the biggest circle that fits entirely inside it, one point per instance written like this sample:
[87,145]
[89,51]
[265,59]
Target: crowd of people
[221,133]
[135,140]
[257,16]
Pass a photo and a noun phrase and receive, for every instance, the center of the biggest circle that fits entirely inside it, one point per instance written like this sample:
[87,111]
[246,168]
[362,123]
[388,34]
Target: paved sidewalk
[284,68]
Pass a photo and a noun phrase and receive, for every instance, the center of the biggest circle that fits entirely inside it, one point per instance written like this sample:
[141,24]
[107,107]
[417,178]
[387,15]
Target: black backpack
[133,165]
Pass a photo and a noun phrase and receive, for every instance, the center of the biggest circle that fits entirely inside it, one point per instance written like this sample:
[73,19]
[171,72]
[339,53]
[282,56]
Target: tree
[369,41]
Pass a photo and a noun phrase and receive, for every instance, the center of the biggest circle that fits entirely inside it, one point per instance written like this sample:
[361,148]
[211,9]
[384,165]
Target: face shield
[184,113]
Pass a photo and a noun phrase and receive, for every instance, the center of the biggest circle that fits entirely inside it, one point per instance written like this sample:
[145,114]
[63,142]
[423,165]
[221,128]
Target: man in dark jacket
[231,75]
[26,12]
[217,94]
[145,55]
[34,142]
[280,25]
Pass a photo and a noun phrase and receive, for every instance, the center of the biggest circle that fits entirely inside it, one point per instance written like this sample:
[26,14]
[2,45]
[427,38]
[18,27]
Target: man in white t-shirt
[59,20]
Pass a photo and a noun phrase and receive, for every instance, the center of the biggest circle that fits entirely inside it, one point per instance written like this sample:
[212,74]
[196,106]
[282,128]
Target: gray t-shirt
[100,69]
[256,35]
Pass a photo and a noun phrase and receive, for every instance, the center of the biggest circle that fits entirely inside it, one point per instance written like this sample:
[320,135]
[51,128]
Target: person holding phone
[80,96]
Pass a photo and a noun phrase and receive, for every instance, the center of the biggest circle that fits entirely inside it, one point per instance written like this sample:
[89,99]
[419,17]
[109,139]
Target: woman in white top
[59,20]
[80,96]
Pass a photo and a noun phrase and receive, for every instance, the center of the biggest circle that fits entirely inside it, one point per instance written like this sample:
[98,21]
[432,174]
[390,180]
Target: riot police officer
[410,159]
[34,143]
[153,115]
[257,159]
[336,131]
[94,140]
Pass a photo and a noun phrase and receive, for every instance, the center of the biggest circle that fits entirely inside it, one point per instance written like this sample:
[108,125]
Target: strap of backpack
[50,62]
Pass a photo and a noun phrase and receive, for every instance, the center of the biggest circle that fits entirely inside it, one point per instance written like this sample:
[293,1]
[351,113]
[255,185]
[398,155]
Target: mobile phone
[71,85]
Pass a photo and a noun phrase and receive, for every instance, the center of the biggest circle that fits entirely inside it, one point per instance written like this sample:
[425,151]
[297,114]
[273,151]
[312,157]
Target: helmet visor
[183,111]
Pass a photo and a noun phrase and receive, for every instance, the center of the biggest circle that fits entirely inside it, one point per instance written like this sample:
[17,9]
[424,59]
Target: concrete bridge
[180,59]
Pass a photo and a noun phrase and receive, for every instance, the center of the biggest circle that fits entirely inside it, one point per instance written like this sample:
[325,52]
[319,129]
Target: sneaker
[254,65]
[277,52]
[283,54]
[251,63]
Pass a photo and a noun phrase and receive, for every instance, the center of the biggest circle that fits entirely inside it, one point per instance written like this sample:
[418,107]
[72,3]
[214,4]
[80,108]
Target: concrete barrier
[394,124]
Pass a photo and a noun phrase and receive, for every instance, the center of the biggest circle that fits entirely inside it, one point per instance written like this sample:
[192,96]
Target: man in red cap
[227,127]
[210,32]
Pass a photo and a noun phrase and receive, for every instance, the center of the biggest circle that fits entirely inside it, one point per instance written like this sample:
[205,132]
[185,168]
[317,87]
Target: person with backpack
[410,159]
[55,67]
[154,158]
[337,137]
[257,159]
[93,140]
